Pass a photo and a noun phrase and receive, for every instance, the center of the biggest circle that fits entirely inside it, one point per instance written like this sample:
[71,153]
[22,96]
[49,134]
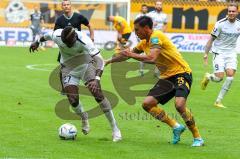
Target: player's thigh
[67,78]
[231,65]
[180,103]
[150,101]
[71,89]
[70,80]
[162,91]
[88,74]
[183,84]
[218,63]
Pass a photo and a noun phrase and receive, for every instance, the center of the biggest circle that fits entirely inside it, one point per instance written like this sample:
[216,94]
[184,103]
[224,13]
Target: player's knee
[218,77]
[146,107]
[180,103]
[148,104]
[230,72]
[73,101]
[99,97]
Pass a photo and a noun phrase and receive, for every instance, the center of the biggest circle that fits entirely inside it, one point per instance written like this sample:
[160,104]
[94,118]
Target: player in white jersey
[78,53]
[159,18]
[223,46]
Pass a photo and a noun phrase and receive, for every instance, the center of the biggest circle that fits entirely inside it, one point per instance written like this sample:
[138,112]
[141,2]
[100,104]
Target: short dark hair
[67,34]
[144,21]
[144,5]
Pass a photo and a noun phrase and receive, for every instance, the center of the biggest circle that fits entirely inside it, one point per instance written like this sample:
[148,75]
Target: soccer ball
[67,132]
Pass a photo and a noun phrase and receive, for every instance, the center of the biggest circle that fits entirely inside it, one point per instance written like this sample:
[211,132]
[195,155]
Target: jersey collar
[67,16]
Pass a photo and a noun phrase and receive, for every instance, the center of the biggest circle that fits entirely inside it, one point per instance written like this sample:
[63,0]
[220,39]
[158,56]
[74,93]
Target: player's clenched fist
[33,47]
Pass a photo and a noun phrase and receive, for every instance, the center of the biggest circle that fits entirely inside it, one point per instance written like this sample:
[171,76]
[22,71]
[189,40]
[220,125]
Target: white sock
[106,107]
[79,109]
[226,86]
[111,120]
[214,78]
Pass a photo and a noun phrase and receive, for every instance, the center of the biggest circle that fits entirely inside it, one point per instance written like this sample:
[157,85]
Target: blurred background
[189,21]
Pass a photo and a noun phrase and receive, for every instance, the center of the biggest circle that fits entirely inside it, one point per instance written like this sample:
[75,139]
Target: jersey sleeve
[155,42]
[88,44]
[138,49]
[216,30]
[83,20]
[118,21]
[48,35]
[57,24]
[53,35]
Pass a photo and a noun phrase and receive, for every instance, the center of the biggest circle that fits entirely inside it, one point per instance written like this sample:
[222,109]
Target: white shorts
[70,77]
[222,62]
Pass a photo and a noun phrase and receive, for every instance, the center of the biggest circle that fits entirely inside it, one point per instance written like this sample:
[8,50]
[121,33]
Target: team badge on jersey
[154,40]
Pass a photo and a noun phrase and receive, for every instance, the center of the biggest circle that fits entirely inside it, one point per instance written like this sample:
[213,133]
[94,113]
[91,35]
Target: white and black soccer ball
[67,132]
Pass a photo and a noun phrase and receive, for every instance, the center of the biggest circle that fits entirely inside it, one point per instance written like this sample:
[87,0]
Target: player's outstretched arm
[116,58]
[151,58]
[34,46]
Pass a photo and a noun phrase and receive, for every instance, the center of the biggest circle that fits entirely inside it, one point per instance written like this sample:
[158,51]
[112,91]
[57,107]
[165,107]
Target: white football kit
[224,46]
[159,18]
[76,61]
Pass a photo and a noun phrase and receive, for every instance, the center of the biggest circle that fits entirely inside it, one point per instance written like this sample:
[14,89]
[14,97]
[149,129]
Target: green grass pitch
[28,127]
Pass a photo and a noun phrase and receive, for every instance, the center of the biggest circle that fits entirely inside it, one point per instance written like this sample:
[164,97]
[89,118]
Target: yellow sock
[194,131]
[189,120]
[160,114]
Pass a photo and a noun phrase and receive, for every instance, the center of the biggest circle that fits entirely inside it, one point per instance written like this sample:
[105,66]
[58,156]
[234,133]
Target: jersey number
[66,79]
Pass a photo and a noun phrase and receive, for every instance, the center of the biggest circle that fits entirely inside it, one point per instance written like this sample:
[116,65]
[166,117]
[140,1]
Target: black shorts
[175,86]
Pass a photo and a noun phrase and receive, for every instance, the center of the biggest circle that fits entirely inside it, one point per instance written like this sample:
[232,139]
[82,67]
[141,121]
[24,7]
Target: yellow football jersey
[121,25]
[169,62]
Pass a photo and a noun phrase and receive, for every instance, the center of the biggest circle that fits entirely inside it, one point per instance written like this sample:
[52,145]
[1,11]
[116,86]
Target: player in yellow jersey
[124,30]
[175,74]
